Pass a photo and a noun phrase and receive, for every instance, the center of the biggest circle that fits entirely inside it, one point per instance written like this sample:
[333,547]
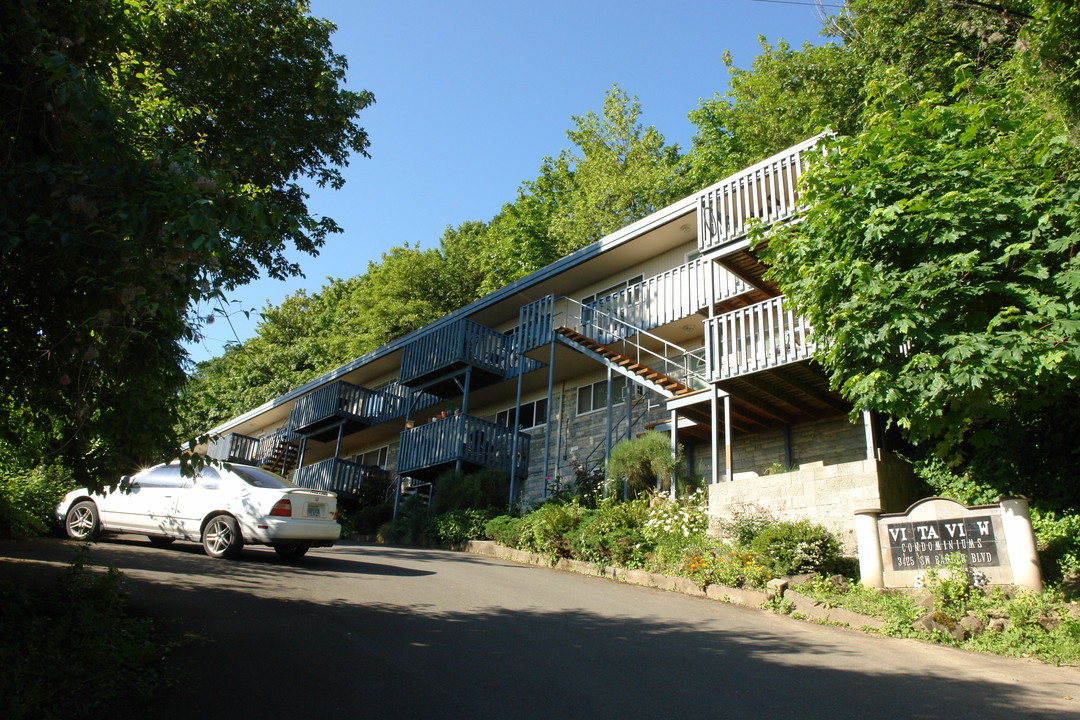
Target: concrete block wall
[826,494]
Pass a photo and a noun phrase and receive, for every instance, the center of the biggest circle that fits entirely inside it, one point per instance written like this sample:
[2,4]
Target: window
[376,458]
[257,477]
[594,397]
[532,414]
[608,292]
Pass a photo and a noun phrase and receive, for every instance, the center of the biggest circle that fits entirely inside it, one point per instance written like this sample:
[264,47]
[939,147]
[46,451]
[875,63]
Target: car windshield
[261,478]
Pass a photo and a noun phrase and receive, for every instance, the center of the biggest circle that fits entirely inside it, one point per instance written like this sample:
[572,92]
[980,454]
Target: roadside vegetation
[71,647]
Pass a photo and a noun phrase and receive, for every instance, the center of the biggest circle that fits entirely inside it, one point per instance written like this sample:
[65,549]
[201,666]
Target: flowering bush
[730,567]
[790,548]
[682,518]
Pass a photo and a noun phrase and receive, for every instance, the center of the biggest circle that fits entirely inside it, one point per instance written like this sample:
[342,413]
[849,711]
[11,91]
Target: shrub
[505,530]
[545,530]
[642,461]
[117,653]
[456,490]
[27,499]
[745,524]
[790,548]
[612,534]
[458,526]
[679,519]
[725,566]
[1059,543]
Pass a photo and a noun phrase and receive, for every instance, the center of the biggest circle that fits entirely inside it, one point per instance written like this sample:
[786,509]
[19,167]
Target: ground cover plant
[1022,624]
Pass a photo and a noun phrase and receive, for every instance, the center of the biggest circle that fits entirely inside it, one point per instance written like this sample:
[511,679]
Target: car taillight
[282,508]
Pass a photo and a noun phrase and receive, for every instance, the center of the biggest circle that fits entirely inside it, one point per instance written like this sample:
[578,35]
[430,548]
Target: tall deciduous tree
[617,171]
[150,156]
[785,97]
[937,262]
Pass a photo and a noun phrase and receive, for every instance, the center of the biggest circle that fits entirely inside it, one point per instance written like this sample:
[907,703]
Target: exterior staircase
[654,379]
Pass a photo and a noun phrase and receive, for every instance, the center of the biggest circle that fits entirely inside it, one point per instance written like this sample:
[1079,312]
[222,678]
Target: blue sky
[471,96]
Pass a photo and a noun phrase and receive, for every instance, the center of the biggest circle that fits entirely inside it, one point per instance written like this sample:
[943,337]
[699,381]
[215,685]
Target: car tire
[160,541]
[291,551]
[221,537]
[82,522]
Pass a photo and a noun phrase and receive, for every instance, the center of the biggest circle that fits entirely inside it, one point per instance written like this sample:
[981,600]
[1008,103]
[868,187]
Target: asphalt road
[387,632]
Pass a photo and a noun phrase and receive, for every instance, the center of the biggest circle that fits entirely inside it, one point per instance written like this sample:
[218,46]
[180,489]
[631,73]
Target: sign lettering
[925,544]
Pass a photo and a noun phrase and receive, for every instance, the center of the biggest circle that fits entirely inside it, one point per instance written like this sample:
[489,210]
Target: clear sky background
[471,96]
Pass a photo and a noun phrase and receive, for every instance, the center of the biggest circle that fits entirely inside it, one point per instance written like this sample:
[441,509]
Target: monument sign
[995,542]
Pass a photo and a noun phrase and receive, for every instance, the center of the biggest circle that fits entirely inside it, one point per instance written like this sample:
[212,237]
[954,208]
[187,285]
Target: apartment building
[668,323]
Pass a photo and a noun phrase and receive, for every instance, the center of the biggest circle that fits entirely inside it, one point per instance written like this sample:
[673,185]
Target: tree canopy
[152,154]
[937,262]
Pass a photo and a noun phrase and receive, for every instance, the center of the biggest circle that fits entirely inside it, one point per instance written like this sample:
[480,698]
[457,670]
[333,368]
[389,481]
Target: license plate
[314,510]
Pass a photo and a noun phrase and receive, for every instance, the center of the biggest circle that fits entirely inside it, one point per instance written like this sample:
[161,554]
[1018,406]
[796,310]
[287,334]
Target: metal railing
[758,337]
[460,437]
[767,192]
[393,402]
[338,476]
[234,447]
[687,366]
[333,400]
[464,342]
[674,294]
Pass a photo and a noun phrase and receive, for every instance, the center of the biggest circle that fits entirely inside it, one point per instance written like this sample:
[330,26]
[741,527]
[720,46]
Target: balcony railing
[336,401]
[452,347]
[637,347]
[394,402]
[678,293]
[339,476]
[767,192]
[758,337]
[464,438]
[234,447]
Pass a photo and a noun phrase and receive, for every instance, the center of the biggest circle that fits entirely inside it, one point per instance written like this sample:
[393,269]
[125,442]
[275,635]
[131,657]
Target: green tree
[617,171]
[152,153]
[785,97]
[937,264]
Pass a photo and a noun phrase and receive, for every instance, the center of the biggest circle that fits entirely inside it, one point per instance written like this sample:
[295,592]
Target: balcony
[434,361]
[339,476]
[429,450]
[766,192]
[234,447]
[675,294]
[339,407]
[395,402]
[759,337]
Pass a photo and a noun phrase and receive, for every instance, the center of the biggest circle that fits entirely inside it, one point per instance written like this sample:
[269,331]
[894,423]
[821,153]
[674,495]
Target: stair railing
[605,327]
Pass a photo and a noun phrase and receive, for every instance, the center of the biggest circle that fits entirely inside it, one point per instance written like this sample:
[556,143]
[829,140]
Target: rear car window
[161,476]
[261,478]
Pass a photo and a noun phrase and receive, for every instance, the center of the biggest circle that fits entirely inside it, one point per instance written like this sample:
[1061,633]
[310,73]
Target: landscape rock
[940,622]
[1049,622]
[973,625]
[777,586]
[839,582]
[997,624]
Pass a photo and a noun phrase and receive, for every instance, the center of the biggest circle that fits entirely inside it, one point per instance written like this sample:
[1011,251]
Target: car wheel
[291,551]
[82,521]
[221,537]
[159,541]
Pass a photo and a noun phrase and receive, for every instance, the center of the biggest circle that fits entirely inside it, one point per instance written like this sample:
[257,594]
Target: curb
[805,606]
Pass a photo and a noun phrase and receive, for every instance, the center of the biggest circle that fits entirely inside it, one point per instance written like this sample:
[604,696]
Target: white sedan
[223,508]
